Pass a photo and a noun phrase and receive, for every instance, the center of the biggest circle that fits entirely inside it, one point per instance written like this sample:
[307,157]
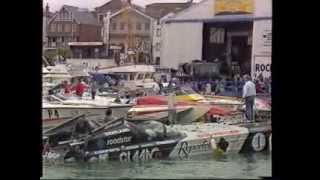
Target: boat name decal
[140,155]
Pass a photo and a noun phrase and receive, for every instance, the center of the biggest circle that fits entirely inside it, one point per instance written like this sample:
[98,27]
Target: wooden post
[171,109]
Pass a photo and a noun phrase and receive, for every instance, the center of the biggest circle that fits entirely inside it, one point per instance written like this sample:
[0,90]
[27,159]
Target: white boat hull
[201,136]
[52,116]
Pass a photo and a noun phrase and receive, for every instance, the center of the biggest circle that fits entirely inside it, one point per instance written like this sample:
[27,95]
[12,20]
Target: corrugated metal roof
[222,18]
[158,10]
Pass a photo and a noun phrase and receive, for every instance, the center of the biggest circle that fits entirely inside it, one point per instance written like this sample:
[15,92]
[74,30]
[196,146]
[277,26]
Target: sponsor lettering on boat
[119,140]
[222,133]
[117,132]
[186,149]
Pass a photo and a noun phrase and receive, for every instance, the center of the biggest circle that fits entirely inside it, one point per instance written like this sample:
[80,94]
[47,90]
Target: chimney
[47,9]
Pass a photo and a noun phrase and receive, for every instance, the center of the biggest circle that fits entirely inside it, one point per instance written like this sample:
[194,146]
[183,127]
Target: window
[138,26]
[62,39]
[74,27]
[140,76]
[53,42]
[129,26]
[114,26]
[158,47]
[122,26]
[125,76]
[132,76]
[59,27]
[100,18]
[147,26]
[53,27]
[67,28]
[158,32]
[147,76]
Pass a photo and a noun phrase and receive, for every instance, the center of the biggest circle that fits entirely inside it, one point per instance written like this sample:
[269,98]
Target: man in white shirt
[249,93]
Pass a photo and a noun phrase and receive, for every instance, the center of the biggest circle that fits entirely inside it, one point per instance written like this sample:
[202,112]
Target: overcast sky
[56,4]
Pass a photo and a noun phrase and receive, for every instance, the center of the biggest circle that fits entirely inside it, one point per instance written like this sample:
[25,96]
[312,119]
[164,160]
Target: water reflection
[231,166]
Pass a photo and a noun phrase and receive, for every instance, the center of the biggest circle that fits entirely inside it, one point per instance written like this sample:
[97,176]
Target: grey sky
[56,4]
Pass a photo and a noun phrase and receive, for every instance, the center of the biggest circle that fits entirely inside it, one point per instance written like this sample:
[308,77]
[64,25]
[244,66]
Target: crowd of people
[77,88]
[238,86]
[220,86]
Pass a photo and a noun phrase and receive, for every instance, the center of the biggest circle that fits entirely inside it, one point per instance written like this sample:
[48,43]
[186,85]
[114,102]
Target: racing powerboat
[87,140]
[58,109]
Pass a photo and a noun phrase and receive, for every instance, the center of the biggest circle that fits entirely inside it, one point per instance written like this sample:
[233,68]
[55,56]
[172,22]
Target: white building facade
[201,33]
[156,39]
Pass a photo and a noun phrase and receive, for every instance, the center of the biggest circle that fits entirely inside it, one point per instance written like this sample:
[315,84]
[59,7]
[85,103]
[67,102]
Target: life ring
[258,142]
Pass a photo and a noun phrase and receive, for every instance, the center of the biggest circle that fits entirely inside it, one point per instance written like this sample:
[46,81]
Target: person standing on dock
[80,88]
[208,88]
[67,87]
[249,93]
[94,88]
[108,116]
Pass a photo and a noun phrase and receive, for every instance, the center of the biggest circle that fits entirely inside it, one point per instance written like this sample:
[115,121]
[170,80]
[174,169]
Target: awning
[85,43]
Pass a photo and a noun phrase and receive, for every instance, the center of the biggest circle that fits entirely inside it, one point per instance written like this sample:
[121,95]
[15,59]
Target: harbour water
[243,166]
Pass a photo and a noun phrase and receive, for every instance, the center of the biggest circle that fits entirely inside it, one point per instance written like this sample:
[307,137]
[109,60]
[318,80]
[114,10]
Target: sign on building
[262,65]
[261,48]
[233,6]
[217,35]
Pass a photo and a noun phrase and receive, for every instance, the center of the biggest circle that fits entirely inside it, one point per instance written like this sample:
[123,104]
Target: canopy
[79,74]
[57,76]
[85,43]
[128,69]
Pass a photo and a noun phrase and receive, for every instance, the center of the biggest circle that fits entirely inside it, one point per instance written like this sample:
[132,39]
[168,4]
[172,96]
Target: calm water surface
[244,166]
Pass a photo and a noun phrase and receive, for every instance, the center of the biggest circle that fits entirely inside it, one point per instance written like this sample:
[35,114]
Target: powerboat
[81,139]
[133,76]
[58,108]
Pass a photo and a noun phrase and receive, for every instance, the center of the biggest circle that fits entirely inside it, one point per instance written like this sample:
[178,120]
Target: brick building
[112,7]
[128,26]
[46,15]
[72,24]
